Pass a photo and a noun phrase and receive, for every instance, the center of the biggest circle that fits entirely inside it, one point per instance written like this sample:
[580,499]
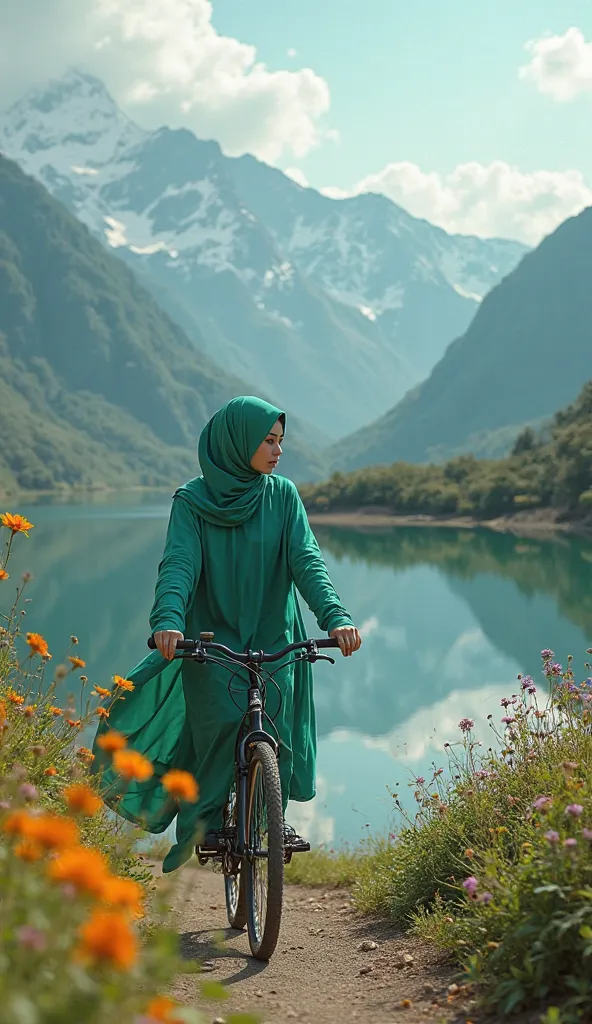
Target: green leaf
[586,931]
[213,990]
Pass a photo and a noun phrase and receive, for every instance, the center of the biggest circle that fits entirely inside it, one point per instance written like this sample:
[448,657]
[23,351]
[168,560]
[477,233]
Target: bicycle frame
[256,734]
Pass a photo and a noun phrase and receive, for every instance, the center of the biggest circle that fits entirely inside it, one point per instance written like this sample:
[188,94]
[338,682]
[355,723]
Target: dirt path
[318,973]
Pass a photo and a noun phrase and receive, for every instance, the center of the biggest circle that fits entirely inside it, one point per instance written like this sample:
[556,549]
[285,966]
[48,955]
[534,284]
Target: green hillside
[526,354]
[548,470]
[98,385]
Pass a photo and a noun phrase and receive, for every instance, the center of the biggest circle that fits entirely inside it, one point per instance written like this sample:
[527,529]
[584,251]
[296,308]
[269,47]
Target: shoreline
[537,523]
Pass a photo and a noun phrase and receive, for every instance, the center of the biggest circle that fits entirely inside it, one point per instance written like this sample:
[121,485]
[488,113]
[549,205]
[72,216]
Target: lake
[449,618]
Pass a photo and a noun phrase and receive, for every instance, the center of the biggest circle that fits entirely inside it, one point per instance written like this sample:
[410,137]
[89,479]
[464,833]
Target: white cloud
[297,175]
[291,52]
[560,66]
[486,200]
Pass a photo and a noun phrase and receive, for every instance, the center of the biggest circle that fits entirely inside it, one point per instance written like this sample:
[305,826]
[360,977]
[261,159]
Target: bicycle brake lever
[321,657]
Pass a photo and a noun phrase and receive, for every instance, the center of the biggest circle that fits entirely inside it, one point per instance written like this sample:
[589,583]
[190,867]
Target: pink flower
[485,897]
[587,834]
[466,724]
[574,809]
[420,780]
[552,836]
[470,885]
[543,803]
[507,720]
[570,843]
[28,792]
[32,938]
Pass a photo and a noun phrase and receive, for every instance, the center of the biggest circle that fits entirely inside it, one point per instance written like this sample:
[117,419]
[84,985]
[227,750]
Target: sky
[475,116]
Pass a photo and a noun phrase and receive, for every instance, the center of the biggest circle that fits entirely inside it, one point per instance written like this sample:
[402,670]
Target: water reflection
[449,617]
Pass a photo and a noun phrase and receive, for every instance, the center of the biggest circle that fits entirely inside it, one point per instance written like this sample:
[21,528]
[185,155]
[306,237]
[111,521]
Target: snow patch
[85,170]
[368,312]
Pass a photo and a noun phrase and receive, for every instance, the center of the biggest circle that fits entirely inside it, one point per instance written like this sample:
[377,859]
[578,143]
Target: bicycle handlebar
[259,657]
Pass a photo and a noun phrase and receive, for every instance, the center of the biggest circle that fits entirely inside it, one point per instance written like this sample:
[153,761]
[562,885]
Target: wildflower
[85,755]
[526,682]
[570,843]
[532,689]
[28,792]
[470,885]
[552,836]
[123,684]
[84,679]
[81,799]
[507,720]
[505,702]
[52,831]
[16,523]
[51,770]
[101,691]
[3,574]
[27,576]
[14,697]
[3,714]
[181,785]
[543,803]
[466,724]
[85,869]
[555,670]
[574,810]
[76,662]
[108,937]
[438,772]
[132,765]
[30,710]
[161,1009]
[547,653]
[74,723]
[102,712]
[111,741]
[28,850]
[485,897]
[587,834]
[420,780]
[31,938]
[470,854]
[37,644]
[56,711]
[123,893]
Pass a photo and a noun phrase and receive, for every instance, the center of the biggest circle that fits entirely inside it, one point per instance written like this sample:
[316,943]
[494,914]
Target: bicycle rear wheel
[264,866]
[234,886]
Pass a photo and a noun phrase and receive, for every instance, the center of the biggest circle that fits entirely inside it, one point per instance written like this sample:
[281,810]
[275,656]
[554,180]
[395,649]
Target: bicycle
[253,872]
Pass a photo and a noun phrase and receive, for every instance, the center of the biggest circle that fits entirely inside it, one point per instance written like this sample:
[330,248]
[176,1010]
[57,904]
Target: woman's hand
[166,642]
[348,638]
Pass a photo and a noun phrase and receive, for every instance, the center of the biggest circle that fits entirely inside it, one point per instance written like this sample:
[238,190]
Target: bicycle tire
[264,810]
[234,886]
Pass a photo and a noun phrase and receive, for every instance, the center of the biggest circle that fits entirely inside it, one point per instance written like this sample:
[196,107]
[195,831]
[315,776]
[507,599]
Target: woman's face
[268,453]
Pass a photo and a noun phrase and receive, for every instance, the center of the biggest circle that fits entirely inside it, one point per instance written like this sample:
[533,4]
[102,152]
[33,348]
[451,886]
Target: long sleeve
[179,570]
[308,568]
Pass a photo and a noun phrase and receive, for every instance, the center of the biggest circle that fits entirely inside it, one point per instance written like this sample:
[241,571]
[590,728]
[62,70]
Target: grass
[326,869]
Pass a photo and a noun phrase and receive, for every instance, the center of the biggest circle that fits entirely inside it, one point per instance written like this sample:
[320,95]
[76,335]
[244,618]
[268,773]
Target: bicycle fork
[256,734]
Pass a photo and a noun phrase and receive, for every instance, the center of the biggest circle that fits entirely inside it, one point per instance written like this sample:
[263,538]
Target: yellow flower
[162,1009]
[181,785]
[107,937]
[124,684]
[111,741]
[85,869]
[37,644]
[76,662]
[16,523]
[3,574]
[14,697]
[123,893]
[81,799]
[132,765]
[100,691]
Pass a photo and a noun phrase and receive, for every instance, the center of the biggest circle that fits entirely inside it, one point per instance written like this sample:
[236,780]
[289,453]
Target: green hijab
[229,491]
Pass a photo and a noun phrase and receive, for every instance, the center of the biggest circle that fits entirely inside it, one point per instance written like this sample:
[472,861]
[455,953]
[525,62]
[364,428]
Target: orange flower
[100,691]
[3,714]
[30,710]
[111,741]
[3,574]
[85,869]
[51,770]
[124,684]
[28,850]
[132,765]
[162,1009]
[56,711]
[123,893]
[107,937]
[102,712]
[181,785]
[16,523]
[84,754]
[74,723]
[52,831]
[14,697]
[81,799]
[37,644]
[15,823]
[76,662]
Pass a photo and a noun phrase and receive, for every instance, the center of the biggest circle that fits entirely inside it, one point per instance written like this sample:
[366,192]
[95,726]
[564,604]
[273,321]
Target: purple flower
[547,653]
[32,938]
[482,774]
[570,843]
[574,809]
[485,897]
[532,689]
[552,836]
[420,780]
[526,682]
[556,669]
[470,885]
[587,834]
[507,720]
[28,792]
[505,702]
[543,803]
[466,724]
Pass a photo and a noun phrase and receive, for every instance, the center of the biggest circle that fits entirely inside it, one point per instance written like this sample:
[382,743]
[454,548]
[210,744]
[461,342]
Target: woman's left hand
[348,638]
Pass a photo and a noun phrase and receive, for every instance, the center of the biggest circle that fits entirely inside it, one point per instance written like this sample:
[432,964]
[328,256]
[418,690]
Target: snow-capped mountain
[335,307]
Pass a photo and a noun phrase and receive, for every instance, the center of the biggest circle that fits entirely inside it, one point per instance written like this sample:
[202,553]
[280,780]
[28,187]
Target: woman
[238,544]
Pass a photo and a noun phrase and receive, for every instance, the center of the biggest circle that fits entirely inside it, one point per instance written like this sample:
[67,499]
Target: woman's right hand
[166,642]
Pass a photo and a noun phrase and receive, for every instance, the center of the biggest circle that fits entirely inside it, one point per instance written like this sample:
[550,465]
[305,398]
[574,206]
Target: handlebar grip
[182,645]
[326,642]
[151,643]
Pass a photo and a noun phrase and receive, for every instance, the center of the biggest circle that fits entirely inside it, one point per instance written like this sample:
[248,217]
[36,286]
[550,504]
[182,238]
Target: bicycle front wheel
[234,887]
[264,874]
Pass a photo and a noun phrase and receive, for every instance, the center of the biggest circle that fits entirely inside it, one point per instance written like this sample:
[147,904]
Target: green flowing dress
[238,547]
